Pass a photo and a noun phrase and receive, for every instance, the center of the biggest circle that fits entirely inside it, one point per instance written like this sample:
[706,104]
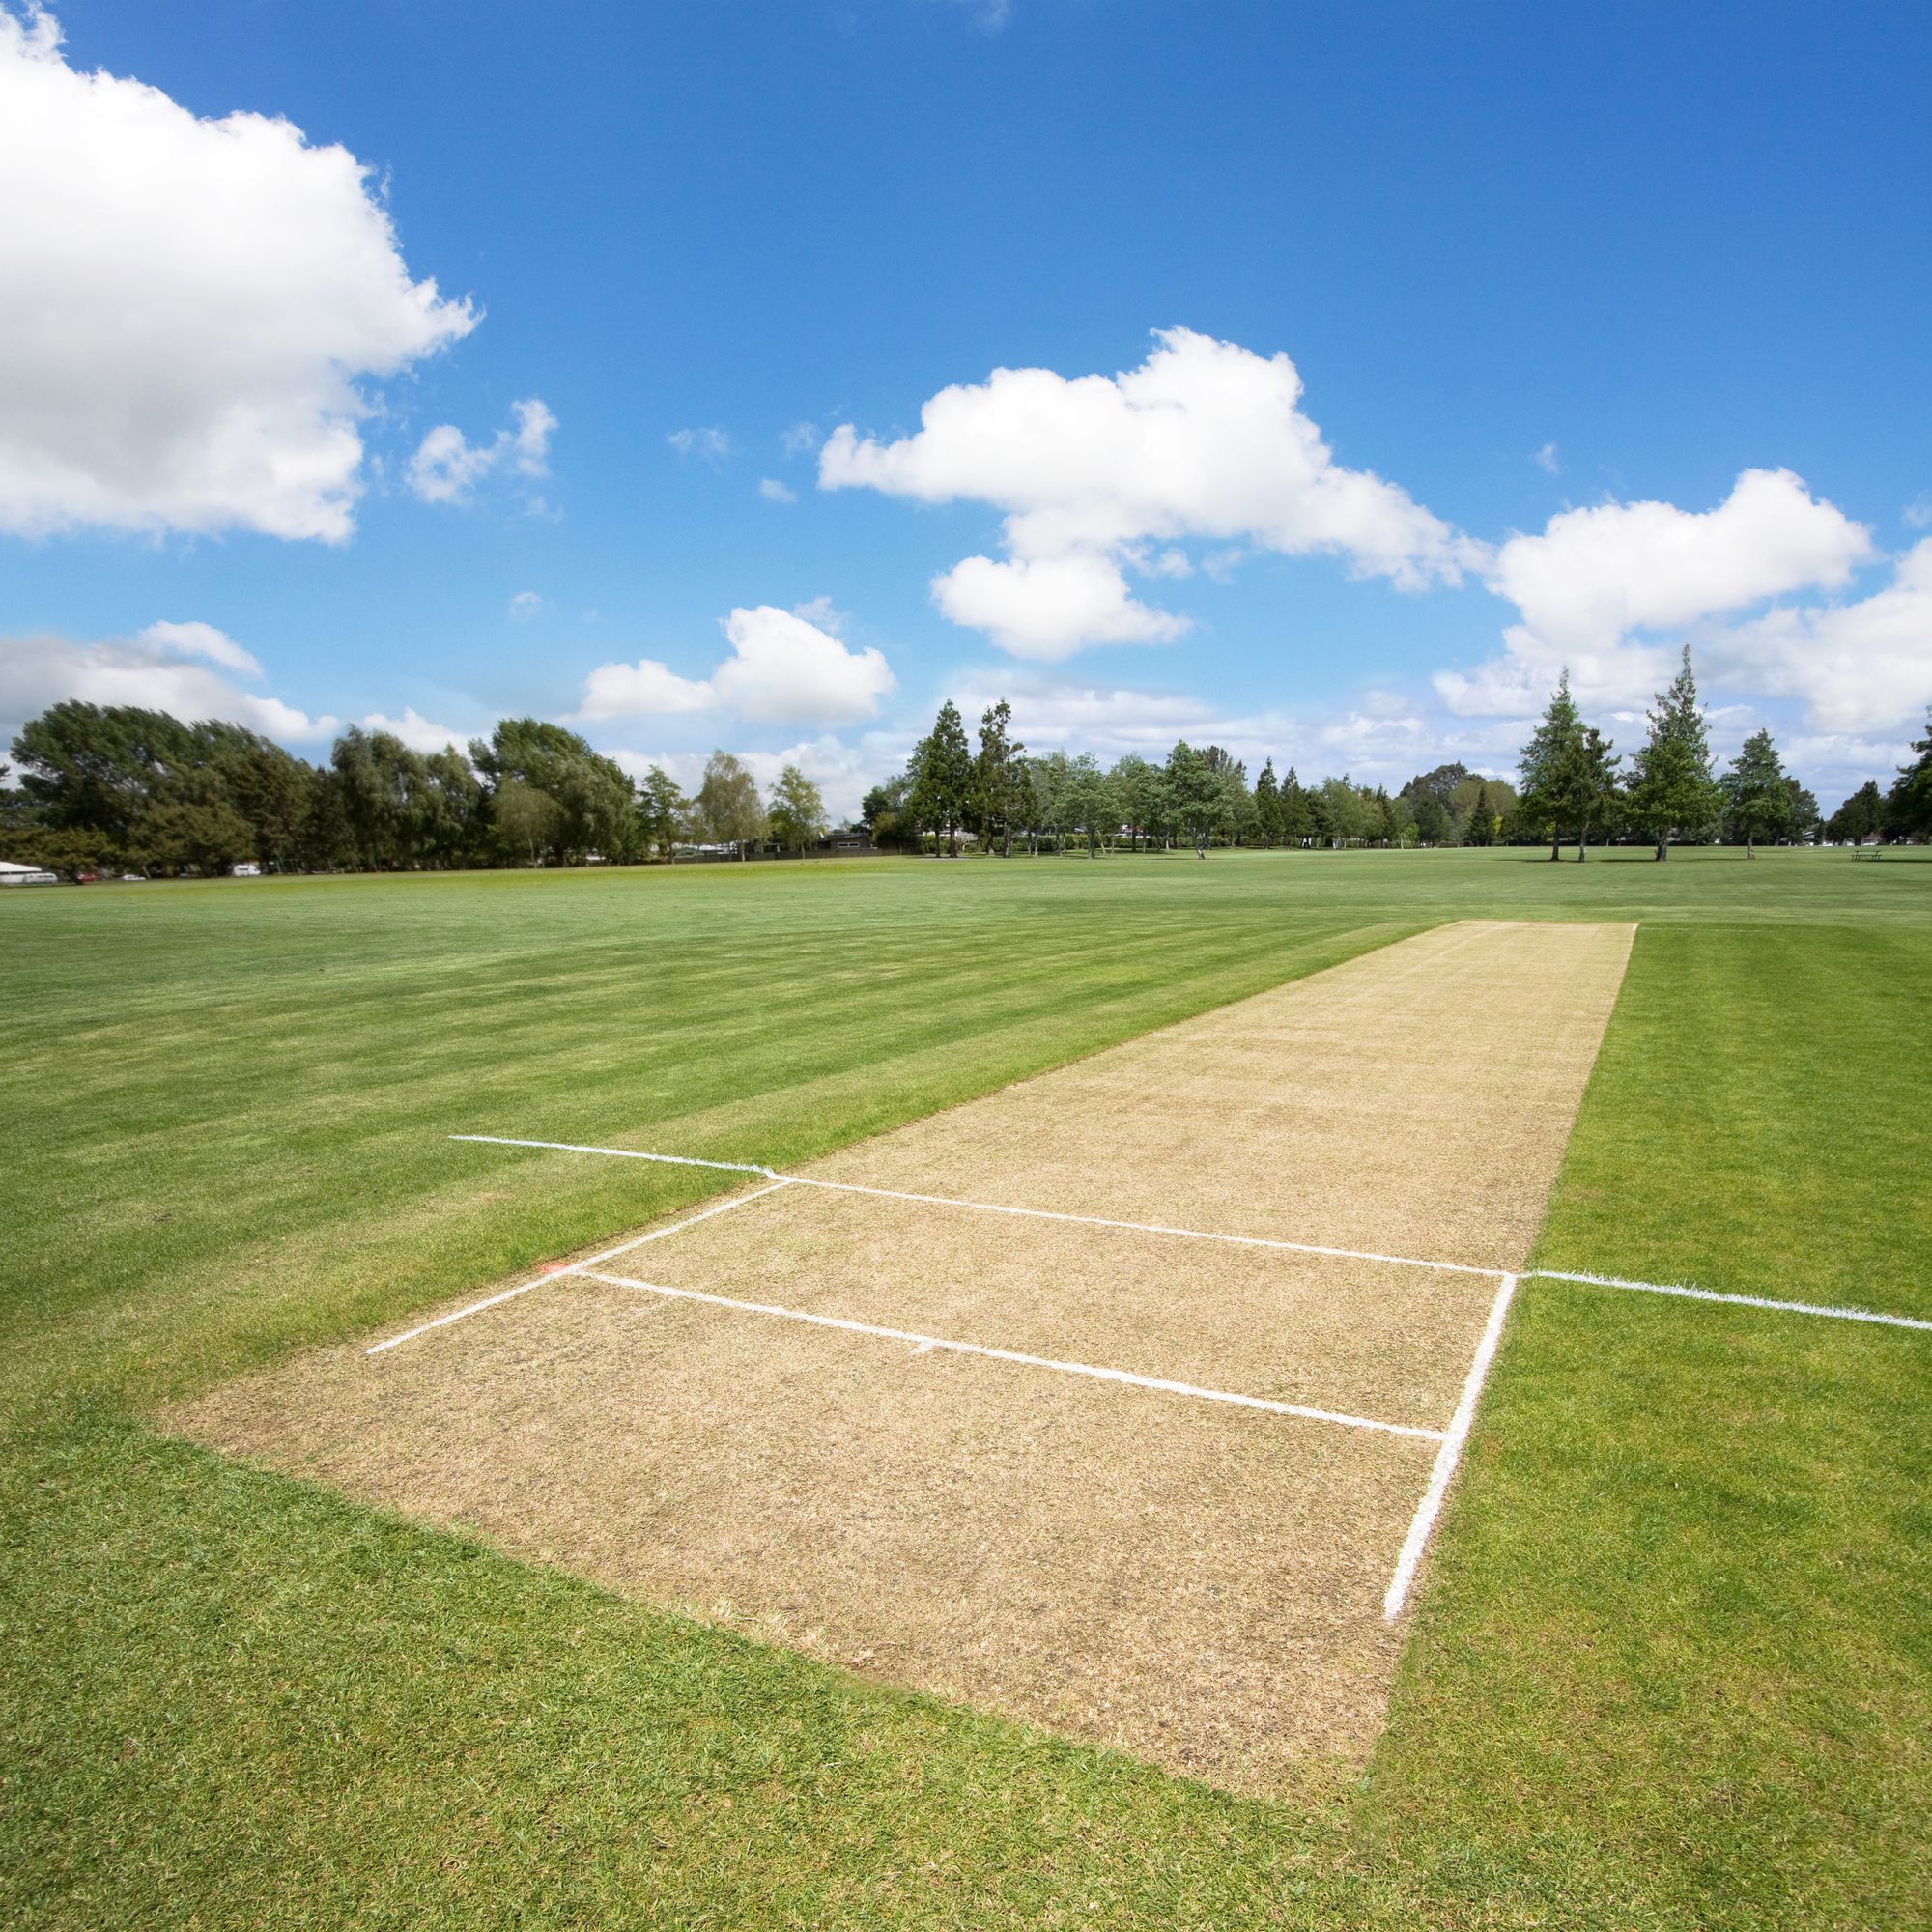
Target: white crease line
[923,1344]
[623,1153]
[1736,1300]
[575,1268]
[1236,1240]
[997,1208]
[1449,1454]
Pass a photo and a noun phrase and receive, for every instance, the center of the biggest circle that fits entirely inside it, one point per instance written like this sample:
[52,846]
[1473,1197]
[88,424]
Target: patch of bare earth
[1194,1581]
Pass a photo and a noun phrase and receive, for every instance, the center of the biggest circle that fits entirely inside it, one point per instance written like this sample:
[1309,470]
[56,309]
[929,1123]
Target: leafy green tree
[1801,822]
[1135,784]
[1909,805]
[99,768]
[527,820]
[1757,796]
[591,792]
[883,813]
[1199,797]
[1859,817]
[1672,792]
[1432,823]
[661,809]
[727,805]
[997,781]
[454,810]
[797,811]
[1440,784]
[1345,815]
[1395,817]
[196,829]
[1551,756]
[1088,804]
[1267,806]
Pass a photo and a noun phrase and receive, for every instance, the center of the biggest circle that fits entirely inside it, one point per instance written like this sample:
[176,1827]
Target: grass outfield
[1673,1666]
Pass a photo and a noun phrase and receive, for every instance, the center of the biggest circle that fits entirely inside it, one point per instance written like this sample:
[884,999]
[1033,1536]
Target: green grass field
[1673,1666]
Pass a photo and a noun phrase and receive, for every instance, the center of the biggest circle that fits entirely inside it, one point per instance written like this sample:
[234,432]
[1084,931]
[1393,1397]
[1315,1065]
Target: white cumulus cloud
[447,466]
[181,669]
[784,670]
[1204,441]
[189,308]
[1599,584]
[1859,667]
[775,492]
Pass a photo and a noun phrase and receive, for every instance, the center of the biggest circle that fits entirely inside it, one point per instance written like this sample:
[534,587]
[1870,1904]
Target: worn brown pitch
[1196,1582]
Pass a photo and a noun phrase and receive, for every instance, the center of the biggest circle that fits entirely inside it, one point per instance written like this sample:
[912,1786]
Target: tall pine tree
[1757,795]
[1673,791]
[1545,757]
[1910,802]
[1267,806]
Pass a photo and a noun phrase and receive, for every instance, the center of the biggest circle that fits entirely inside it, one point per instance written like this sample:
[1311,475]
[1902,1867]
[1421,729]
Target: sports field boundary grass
[1670,1671]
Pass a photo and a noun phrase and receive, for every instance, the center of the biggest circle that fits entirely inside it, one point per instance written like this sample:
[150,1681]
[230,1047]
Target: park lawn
[1671,1667]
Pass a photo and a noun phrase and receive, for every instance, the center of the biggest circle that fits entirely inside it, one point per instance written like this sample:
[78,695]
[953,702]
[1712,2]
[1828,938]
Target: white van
[244,871]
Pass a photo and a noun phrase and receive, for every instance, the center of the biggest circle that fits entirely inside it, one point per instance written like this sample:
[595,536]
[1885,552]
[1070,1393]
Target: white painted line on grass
[622,1153]
[1449,1454]
[575,1267]
[998,1208]
[1202,1234]
[925,1344]
[1736,1300]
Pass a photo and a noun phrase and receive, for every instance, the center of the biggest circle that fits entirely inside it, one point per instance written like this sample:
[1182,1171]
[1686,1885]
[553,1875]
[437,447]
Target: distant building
[846,839]
[11,874]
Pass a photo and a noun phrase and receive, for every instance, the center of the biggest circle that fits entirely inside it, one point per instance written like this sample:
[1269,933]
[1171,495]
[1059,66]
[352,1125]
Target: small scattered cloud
[822,612]
[197,639]
[984,17]
[1547,458]
[712,445]
[446,466]
[1917,513]
[775,492]
[416,730]
[784,670]
[800,439]
[525,606]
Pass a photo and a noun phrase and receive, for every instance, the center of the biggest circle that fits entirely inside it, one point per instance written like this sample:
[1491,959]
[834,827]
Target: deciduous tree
[797,811]
[728,806]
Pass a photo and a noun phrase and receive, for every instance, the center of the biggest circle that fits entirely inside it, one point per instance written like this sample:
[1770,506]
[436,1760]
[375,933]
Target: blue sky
[1591,264]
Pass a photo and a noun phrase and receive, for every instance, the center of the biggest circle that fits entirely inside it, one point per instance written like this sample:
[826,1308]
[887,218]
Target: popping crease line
[925,1344]
[995,1206]
[1830,1313]
[575,1267]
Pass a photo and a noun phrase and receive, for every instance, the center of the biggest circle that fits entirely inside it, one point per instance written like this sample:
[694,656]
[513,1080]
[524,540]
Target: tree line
[111,787]
[115,787]
[1003,798]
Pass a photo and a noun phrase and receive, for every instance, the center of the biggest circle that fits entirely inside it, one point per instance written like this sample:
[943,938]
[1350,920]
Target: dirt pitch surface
[713,1422]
